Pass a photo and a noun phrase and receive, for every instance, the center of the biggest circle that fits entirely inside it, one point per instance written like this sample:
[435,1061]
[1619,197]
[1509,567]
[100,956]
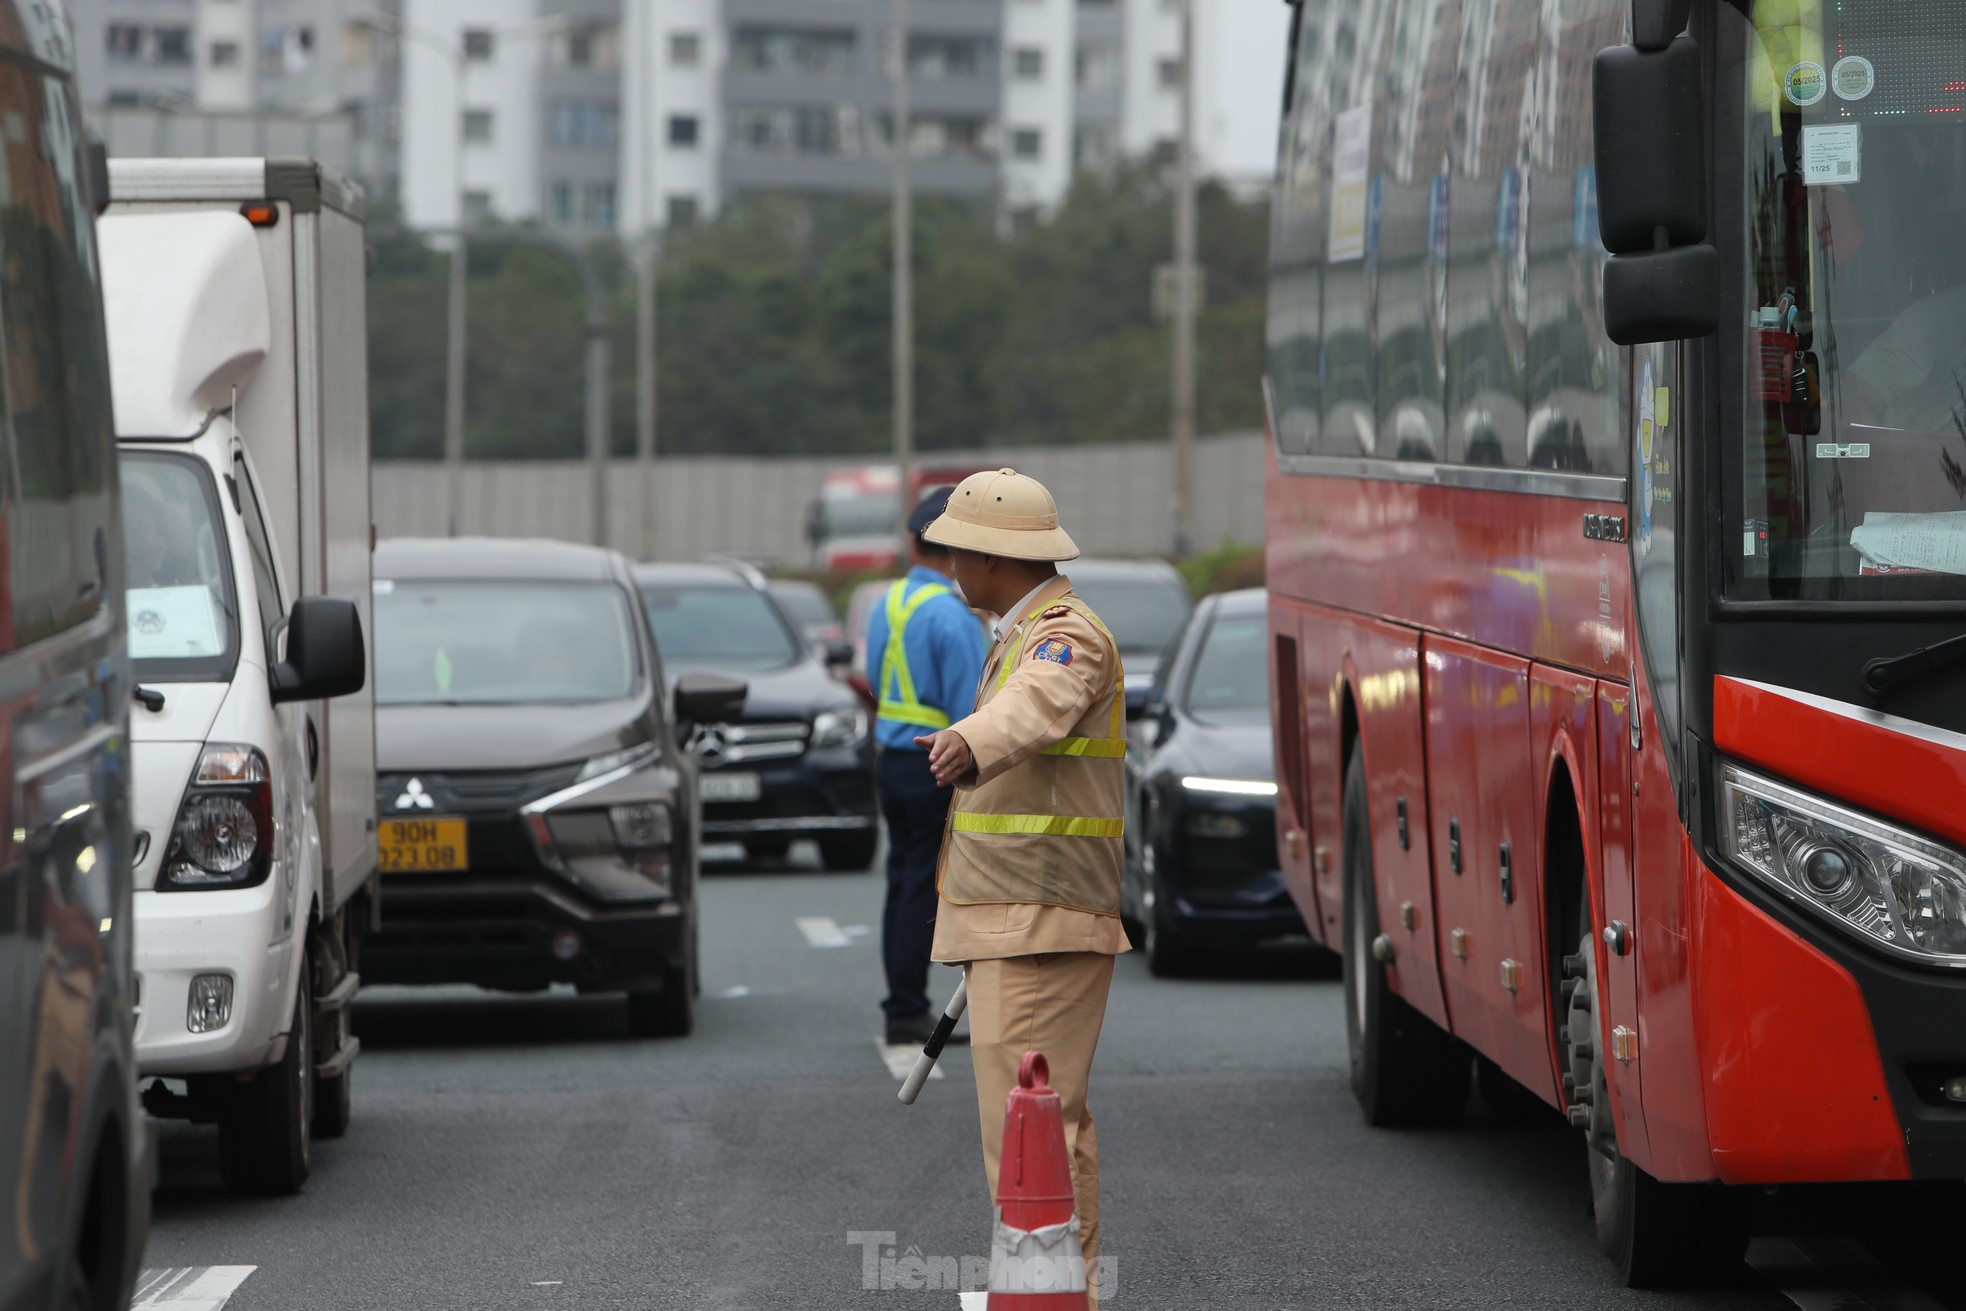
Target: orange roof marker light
[261,213]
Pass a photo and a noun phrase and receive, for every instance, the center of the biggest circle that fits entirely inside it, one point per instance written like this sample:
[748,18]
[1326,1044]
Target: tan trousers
[1055,1004]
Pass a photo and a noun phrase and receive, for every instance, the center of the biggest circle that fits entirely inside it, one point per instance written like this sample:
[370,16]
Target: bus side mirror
[1662,282]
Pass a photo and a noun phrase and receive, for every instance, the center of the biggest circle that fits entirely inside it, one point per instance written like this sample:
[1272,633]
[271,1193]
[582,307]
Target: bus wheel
[1405,1068]
[1656,1234]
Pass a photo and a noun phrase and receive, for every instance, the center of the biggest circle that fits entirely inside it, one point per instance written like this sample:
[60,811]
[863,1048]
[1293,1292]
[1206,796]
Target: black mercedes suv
[800,762]
[537,818]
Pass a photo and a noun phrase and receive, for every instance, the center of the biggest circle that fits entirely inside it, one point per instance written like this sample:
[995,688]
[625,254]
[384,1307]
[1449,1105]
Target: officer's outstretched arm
[1064,667]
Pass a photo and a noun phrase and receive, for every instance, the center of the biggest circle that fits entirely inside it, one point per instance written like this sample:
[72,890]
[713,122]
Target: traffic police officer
[926,649]
[1029,878]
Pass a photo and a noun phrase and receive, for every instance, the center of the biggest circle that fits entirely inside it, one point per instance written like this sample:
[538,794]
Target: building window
[224,54]
[171,45]
[815,51]
[1170,74]
[1030,64]
[685,49]
[1094,147]
[943,136]
[478,43]
[795,129]
[123,41]
[589,124]
[684,211]
[593,46]
[478,126]
[599,204]
[477,207]
[934,58]
[1027,143]
[1098,68]
[559,203]
[683,130]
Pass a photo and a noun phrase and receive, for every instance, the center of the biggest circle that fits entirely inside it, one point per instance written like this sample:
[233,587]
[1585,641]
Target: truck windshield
[455,642]
[859,514]
[182,617]
[1851,452]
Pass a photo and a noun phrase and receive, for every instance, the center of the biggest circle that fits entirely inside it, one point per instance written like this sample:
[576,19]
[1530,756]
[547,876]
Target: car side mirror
[1663,281]
[838,654]
[326,656]
[1141,705]
[708,699]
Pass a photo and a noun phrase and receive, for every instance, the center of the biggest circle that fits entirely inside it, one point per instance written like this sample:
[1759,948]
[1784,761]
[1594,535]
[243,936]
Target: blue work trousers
[916,811]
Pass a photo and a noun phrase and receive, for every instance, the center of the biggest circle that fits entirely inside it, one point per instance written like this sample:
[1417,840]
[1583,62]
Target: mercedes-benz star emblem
[708,742]
[414,797]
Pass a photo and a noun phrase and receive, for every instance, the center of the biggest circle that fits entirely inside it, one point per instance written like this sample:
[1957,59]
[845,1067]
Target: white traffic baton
[932,1049]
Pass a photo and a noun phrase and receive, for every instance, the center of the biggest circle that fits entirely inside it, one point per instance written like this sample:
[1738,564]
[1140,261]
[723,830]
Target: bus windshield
[1851,460]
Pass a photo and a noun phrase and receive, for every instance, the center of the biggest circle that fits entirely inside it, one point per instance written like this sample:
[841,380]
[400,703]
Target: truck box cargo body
[305,421]
[234,294]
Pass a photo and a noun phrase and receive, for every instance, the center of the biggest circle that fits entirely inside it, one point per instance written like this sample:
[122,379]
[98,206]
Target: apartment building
[629,115]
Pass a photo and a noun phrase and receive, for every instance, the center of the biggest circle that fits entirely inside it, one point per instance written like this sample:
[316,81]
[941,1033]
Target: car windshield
[183,624]
[1850,449]
[1231,672]
[805,603]
[721,626]
[1143,613]
[455,642]
[859,514]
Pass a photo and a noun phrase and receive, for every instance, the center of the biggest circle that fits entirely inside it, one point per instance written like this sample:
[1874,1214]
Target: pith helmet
[1003,512]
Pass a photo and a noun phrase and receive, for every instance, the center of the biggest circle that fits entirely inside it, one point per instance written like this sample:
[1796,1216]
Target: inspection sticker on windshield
[1832,154]
[1854,77]
[1843,450]
[1806,83]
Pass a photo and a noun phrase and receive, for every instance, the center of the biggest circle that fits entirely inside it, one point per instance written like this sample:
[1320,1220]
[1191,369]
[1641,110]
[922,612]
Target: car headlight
[613,760]
[839,728]
[1894,888]
[1230,787]
[641,825]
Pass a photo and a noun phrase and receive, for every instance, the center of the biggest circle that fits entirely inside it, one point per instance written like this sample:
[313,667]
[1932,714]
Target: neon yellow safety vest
[903,707]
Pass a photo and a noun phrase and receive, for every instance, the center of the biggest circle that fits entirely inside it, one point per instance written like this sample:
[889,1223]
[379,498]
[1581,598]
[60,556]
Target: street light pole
[454,334]
[904,271]
[1184,296]
[645,274]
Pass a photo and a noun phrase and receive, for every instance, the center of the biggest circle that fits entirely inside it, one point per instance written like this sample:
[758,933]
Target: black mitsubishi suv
[536,817]
[800,762]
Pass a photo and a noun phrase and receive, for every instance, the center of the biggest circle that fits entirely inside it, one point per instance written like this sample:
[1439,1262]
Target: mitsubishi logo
[709,742]
[414,797]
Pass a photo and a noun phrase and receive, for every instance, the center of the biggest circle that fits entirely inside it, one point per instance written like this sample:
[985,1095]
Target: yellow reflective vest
[901,705]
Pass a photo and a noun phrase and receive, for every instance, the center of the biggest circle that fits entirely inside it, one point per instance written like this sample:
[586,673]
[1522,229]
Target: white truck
[234,292]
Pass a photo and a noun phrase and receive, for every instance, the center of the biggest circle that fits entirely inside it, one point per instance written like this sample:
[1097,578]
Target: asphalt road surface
[522,1152]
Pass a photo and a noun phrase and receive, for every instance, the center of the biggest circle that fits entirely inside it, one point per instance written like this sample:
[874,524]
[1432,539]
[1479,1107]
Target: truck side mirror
[325,653]
[708,699]
[98,157]
[1662,282]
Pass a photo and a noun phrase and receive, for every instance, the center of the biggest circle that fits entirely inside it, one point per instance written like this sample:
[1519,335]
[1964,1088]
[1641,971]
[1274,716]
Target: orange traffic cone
[1036,1263]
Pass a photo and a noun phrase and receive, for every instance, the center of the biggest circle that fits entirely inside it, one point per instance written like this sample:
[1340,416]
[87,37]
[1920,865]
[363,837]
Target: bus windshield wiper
[1884,673]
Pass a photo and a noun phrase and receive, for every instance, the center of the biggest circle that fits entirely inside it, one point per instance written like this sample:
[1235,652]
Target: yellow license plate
[411,845]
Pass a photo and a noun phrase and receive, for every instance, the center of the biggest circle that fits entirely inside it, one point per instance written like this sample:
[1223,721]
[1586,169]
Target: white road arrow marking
[900,1059]
[822,931]
[189,1288]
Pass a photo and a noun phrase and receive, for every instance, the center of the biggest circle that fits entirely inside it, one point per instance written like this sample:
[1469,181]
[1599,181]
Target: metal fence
[1115,499]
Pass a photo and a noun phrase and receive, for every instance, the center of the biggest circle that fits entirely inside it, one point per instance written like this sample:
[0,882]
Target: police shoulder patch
[1059,653]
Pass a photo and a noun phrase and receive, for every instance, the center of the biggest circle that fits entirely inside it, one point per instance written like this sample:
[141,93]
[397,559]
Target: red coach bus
[1617,551]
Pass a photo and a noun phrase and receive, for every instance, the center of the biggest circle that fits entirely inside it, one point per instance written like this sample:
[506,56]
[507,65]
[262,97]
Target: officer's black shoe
[914,1030]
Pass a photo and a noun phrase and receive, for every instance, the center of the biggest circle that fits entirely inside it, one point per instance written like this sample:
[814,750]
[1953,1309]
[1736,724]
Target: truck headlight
[223,835]
[846,727]
[1893,887]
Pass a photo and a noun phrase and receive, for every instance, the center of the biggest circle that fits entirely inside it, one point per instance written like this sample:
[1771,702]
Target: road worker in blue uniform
[1029,878]
[925,652]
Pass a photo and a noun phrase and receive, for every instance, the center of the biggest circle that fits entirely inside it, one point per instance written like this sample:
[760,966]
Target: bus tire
[1405,1069]
[1658,1235]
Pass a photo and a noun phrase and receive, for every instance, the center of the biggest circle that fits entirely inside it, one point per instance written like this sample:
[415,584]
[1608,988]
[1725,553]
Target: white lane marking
[1832,1275]
[822,931]
[900,1059]
[855,931]
[189,1288]
[730,993]
[975,1301]
[547,1283]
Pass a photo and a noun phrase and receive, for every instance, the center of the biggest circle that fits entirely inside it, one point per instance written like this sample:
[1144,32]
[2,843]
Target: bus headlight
[1895,888]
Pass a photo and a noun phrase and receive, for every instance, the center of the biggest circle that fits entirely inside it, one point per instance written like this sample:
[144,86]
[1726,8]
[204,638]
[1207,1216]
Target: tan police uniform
[1029,879]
